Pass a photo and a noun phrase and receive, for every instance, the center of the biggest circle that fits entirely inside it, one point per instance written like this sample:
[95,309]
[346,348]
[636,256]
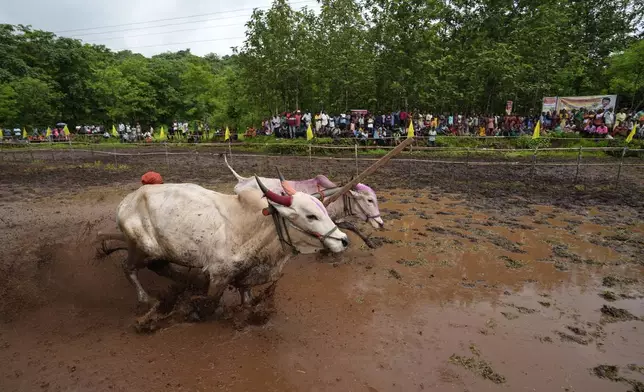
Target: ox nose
[345,242]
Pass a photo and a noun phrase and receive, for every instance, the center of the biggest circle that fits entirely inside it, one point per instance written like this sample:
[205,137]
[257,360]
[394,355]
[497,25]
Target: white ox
[361,202]
[232,238]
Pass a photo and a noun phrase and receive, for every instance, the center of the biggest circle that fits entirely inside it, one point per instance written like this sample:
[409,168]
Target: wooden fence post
[53,156]
[31,152]
[578,163]
[534,161]
[310,163]
[619,170]
[116,162]
[167,160]
[355,149]
[71,150]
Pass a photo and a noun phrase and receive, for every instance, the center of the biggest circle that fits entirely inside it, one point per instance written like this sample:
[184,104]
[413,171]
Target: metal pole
[355,149]
[578,163]
[619,170]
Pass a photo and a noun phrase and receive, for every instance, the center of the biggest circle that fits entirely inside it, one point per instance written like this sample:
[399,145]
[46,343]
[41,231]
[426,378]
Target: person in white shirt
[432,137]
[306,118]
[325,120]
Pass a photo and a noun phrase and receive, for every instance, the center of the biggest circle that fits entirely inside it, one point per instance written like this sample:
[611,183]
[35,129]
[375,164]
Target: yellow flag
[410,130]
[162,134]
[24,133]
[629,138]
[48,134]
[537,130]
[114,133]
[227,134]
[309,133]
[66,130]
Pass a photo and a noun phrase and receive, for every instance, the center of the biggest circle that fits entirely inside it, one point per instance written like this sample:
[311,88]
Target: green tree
[626,73]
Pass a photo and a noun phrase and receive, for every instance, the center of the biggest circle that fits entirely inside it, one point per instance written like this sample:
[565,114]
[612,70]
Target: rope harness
[348,208]
[281,226]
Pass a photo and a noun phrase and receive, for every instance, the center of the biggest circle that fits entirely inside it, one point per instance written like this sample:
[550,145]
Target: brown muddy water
[460,296]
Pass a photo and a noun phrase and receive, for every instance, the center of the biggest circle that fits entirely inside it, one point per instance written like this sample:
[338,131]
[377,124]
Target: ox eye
[311,217]
[370,201]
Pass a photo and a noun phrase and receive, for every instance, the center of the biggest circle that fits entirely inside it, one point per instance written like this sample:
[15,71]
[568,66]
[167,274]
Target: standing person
[306,118]
[292,124]
[275,123]
[324,121]
[432,137]
[298,122]
[370,123]
[490,125]
[403,119]
[619,118]
[318,123]
[609,119]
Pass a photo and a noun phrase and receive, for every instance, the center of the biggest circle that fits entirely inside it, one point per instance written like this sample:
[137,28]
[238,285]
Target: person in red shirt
[403,118]
[290,119]
[298,120]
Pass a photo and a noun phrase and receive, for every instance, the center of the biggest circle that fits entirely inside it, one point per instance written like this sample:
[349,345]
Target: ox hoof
[148,322]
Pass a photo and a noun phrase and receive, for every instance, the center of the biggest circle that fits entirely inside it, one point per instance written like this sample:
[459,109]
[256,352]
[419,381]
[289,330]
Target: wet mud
[479,288]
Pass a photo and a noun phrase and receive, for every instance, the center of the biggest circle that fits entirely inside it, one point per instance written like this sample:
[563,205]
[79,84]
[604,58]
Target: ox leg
[198,280]
[246,295]
[134,262]
[351,227]
[205,306]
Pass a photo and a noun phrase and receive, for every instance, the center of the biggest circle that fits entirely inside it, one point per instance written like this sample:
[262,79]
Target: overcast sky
[184,21]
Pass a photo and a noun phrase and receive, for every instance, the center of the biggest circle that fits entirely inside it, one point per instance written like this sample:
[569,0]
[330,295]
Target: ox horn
[348,186]
[285,184]
[326,192]
[274,197]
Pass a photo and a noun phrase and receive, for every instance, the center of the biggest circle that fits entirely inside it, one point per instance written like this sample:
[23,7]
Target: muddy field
[487,278]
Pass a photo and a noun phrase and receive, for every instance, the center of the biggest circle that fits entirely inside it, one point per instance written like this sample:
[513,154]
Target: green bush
[527,142]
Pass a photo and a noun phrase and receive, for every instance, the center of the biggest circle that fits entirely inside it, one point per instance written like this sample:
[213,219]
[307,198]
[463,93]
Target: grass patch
[478,366]
[512,263]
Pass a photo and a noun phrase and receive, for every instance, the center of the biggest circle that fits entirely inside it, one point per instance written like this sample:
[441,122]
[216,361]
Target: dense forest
[430,55]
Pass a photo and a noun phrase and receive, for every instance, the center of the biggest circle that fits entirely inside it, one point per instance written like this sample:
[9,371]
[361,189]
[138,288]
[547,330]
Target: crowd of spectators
[363,125]
[384,128]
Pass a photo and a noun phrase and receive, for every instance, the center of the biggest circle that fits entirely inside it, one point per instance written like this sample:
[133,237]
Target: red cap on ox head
[151,178]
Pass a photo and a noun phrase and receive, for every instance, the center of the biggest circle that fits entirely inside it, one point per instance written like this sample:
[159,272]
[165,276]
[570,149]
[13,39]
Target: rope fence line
[533,163]
[468,162]
[353,147]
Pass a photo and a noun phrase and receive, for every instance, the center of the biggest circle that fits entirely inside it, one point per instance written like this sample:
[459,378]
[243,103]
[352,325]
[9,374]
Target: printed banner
[508,108]
[591,102]
[549,104]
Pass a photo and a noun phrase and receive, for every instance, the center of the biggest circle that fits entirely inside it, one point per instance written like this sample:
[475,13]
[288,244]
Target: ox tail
[104,250]
[239,178]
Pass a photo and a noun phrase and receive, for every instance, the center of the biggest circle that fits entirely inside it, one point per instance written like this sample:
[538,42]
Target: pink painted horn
[285,184]
[274,197]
